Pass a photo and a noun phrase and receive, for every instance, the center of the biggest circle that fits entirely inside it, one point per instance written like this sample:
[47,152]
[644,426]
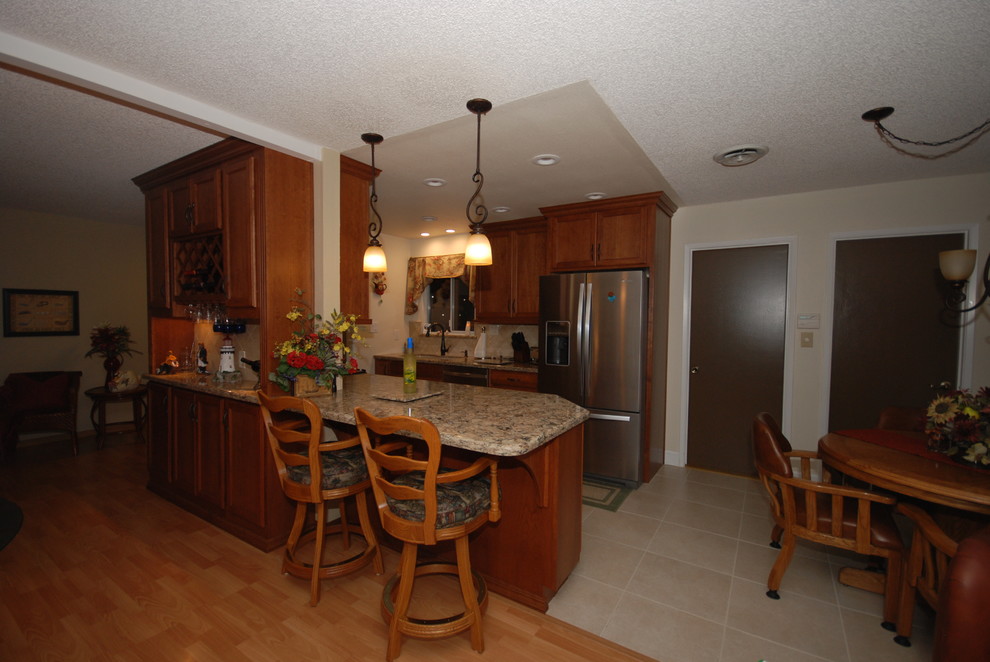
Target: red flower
[296,359]
[314,363]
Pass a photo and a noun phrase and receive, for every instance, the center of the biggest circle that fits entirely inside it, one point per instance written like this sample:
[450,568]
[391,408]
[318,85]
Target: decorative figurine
[171,363]
[201,361]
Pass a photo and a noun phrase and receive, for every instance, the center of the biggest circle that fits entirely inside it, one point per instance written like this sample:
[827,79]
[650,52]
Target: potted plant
[110,342]
[958,424]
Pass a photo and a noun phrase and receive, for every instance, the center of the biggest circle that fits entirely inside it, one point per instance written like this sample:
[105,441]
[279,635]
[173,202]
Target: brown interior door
[738,325]
[890,339]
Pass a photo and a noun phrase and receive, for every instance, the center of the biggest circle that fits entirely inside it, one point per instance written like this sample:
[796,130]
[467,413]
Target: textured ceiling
[634,95]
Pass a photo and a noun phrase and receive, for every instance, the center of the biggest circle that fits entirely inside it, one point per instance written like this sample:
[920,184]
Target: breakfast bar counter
[538,437]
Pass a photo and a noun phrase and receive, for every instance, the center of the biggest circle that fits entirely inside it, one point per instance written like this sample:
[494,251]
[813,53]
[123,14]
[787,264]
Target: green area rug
[602,494]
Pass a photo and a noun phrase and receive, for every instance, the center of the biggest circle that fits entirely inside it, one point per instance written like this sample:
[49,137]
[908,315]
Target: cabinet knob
[191,213]
[695,369]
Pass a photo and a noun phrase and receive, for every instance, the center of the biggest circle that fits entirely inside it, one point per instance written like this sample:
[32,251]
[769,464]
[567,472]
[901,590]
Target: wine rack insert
[199,274]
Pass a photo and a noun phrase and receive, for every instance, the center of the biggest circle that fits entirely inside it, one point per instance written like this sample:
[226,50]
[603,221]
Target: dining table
[901,462]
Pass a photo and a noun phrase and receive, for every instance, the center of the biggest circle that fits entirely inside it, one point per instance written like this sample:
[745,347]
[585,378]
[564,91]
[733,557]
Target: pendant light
[478,251]
[374,255]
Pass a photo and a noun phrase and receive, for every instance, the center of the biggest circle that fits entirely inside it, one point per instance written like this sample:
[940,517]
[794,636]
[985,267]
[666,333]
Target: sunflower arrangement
[958,424]
[319,348]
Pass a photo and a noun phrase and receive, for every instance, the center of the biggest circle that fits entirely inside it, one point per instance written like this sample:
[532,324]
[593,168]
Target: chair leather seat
[883,530]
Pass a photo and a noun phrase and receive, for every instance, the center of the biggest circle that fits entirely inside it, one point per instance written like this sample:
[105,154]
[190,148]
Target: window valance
[432,267]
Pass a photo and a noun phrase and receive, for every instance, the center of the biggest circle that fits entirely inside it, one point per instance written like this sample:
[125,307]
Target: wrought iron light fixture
[956,267]
[374,255]
[877,115]
[478,251]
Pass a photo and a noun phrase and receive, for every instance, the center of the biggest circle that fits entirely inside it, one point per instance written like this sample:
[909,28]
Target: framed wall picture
[40,313]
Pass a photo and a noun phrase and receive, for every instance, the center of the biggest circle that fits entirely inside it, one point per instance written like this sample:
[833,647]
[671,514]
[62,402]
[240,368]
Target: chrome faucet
[443,336]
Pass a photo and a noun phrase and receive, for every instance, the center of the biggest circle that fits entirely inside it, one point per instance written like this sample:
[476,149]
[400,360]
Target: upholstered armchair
[38,402]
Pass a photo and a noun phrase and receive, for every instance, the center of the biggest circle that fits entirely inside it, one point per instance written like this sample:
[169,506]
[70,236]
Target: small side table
[100,397]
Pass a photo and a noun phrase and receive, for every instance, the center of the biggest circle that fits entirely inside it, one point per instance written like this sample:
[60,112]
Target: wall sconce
[877,115]
[956,267]
[374,255]
[478,251]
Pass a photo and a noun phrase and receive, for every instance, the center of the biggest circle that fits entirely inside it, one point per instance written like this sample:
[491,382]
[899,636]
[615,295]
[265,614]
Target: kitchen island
[525,556]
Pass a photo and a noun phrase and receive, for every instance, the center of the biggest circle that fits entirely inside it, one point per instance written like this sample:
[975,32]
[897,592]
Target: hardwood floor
[102,569]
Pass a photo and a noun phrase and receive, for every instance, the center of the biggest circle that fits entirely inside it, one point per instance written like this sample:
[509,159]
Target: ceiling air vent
[740,155]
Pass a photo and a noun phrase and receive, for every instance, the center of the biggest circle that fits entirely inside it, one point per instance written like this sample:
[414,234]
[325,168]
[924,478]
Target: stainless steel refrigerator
[593,352]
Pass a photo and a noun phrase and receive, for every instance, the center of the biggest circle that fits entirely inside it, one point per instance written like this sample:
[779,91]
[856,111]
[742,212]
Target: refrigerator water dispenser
[558,343]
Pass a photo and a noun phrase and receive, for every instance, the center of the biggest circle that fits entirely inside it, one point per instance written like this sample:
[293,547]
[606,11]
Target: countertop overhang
[476,418]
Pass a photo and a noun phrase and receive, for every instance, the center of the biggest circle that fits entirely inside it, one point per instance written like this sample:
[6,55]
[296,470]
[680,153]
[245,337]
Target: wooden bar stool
[422,504]
[297,446]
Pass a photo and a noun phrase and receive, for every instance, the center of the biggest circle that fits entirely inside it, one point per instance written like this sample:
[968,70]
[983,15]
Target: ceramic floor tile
[743,647]
[684,586]
[626,528]
[795,621]
[585,603]
[607,562]
[712,495]
[648,503]
[707,518]
[738,483]
[869,642]
[708,550]
[663,633]
[805,576]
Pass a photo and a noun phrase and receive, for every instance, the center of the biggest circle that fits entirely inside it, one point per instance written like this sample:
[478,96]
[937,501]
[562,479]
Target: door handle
[695,369]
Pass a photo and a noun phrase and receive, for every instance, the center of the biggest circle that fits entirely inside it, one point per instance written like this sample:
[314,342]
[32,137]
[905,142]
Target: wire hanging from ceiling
[877,115]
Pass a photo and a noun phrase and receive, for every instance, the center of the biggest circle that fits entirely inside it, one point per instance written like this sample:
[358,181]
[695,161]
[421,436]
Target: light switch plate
[807,339]
[809,321]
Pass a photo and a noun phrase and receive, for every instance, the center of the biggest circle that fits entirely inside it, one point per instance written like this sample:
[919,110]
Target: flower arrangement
[110,341]
[958,424]
[318,349]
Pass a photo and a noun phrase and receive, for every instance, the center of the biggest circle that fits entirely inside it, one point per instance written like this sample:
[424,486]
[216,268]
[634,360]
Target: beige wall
[811,220]
[104,262]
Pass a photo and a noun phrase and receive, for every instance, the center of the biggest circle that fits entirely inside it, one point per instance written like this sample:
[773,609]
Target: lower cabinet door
[246,450]
[183,464]
[209,450]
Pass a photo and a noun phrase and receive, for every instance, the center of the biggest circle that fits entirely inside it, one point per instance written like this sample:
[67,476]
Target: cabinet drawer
[518,381]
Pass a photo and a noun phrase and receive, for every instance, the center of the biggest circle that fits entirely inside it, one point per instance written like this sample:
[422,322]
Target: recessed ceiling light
[502,210]
[429,219]
[545,159]
[450,231]
[434,181]
[741,155]
[424,234]
[597,195]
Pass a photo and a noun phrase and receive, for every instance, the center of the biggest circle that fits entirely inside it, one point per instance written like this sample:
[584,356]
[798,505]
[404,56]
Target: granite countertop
[491,364]
[477,418]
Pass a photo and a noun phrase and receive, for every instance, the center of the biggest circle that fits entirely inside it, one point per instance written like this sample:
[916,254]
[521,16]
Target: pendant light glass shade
[478,251]
[374,259]
[957,265]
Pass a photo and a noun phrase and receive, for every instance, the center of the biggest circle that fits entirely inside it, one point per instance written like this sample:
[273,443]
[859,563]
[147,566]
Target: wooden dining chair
[961,631]
[294,428]
[925,567]
[818,511]
[421,503]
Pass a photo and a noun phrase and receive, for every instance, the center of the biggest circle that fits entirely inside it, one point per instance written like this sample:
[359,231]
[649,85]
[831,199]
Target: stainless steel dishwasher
[465,374]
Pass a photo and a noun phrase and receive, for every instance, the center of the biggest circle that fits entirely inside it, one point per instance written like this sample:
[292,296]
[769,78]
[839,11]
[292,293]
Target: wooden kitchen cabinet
[512,379]
[616,233]
[508,290]
[194,203]
[209,455]
[247,242]
[393,368]
[158,256]
[355,213]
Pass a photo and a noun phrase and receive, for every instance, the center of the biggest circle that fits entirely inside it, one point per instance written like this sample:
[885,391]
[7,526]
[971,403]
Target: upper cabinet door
[194,204]
[624,237]
[530,248]
[240,219]
[159,264]
[572,241]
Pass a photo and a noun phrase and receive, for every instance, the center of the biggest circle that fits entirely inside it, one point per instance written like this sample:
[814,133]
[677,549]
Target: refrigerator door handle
[611,417]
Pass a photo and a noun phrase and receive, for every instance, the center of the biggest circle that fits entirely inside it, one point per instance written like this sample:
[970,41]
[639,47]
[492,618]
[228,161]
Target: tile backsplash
[498,340]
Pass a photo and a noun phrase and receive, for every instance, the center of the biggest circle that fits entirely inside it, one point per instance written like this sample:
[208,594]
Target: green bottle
[409,368]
